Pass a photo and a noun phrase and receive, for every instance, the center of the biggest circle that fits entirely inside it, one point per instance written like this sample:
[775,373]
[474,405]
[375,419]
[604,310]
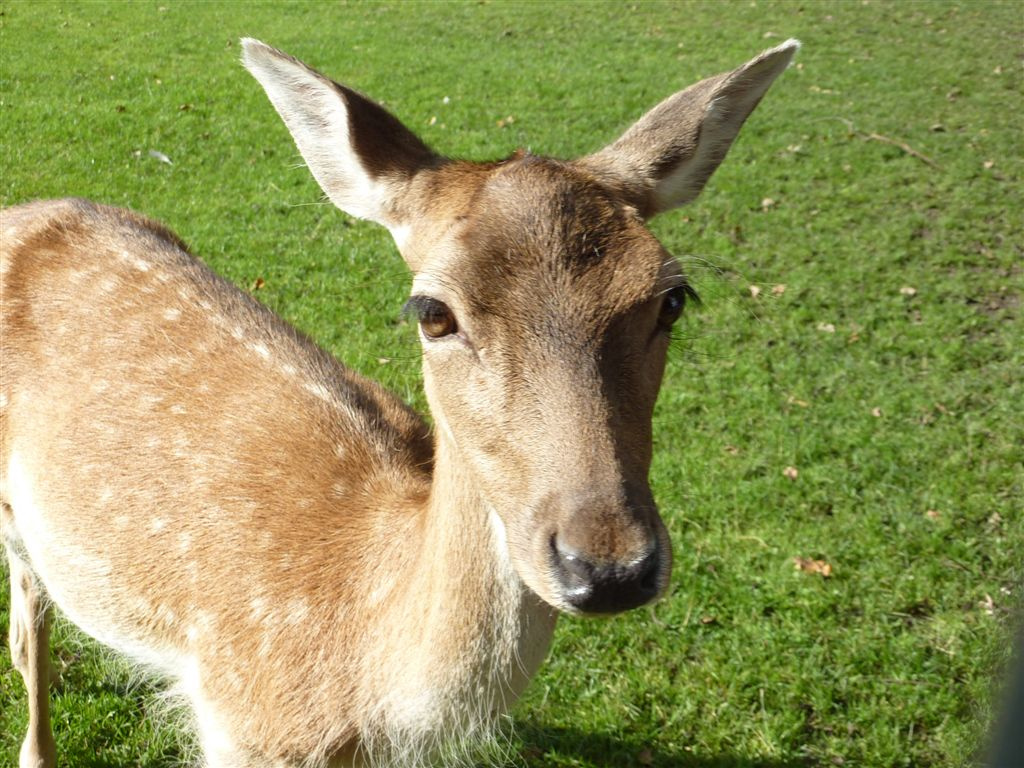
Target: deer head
[545,307]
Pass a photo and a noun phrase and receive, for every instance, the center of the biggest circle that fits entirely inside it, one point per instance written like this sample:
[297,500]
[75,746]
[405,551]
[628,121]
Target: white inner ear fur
[735,99]
[317,117]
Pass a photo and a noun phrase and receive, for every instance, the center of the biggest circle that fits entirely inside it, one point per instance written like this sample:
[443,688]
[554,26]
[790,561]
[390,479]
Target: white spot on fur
[157,524]
[142,606]
[172,313]
[151,401]
[288,369]
[107,284]
[297,611]
[378,595]
[178,409]
[122,521]
[141,264]
[3,399]
[184,542]
[237,333]
[261,350]
[265,646]
[258,608]
[191,633]
[319,390]
[236,679]
[165,614]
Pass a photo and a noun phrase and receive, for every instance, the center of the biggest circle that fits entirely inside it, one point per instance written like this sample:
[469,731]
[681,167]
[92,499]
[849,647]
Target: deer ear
[665,159]
[359,153]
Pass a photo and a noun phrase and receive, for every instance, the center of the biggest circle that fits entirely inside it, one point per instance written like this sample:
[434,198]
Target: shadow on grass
[549,747]
[560,746]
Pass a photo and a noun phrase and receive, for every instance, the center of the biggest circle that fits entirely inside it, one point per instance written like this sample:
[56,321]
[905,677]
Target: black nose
[605,587]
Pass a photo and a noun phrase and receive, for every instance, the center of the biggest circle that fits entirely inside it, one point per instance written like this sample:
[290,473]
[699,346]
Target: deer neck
[478,633]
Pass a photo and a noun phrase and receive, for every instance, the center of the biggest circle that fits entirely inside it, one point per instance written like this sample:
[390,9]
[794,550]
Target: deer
[323,578]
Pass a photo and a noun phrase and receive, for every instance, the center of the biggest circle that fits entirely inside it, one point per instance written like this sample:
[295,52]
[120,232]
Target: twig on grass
[904,146]
[892,142]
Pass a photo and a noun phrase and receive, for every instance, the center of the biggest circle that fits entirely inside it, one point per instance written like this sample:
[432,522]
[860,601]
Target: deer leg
[30,652]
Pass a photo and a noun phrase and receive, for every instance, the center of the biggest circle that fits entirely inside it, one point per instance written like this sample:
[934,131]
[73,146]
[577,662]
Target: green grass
[748,662]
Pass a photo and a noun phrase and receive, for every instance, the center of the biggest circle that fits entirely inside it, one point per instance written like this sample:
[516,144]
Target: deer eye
[672,305]
[436,318]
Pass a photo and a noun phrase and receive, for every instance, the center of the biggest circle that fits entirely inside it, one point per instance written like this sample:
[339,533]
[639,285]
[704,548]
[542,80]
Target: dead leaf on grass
[811,565]
[755,291]
[876,412]
[791,472]
[779,289]
[988,605]
[908,290]
[792,400]
[826,327]
[933,514]
[258,283]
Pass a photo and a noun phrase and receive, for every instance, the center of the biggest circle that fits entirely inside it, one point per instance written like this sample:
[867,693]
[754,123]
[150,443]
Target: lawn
[849,393]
